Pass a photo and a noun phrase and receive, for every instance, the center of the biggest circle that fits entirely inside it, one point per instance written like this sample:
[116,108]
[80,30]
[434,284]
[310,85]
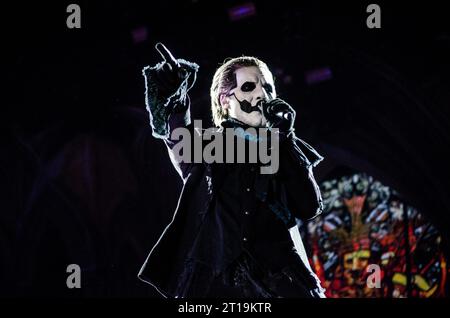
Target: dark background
[81,178]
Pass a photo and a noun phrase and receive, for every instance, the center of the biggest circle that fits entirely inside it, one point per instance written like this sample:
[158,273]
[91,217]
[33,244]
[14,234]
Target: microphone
[282,114]
[268,111]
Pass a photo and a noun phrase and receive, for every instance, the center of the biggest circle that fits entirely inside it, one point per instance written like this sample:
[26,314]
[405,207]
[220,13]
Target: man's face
[253,86]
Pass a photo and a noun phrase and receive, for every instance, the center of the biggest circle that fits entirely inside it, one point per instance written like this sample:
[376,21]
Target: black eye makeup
[268,88]
[248,86]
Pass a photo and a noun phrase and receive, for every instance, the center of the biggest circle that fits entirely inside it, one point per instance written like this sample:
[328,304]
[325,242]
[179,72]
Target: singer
[234,232]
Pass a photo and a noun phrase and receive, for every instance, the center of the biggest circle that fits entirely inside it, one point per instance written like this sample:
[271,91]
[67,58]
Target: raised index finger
[165,54]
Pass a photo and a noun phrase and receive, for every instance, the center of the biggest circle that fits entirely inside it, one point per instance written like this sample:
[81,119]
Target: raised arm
[167,101]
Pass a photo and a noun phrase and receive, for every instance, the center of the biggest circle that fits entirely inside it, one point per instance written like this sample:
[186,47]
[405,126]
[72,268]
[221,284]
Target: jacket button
[248,189]
[244,239]
[246,213]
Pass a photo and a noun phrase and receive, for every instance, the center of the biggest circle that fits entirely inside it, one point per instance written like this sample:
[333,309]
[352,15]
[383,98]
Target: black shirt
[243,222]
[249,224]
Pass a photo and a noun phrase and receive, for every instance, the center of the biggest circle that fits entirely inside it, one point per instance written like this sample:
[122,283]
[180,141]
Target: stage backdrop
[365,222]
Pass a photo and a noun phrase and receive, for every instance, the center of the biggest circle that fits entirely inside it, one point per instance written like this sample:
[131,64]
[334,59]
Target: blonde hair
[224,80]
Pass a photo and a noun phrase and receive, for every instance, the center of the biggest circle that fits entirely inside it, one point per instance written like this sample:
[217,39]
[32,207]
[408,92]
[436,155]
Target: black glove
[279,114]
[166,89]
[169,73]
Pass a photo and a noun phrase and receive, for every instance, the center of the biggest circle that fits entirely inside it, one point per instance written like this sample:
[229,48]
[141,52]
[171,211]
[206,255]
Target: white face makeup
[253,86]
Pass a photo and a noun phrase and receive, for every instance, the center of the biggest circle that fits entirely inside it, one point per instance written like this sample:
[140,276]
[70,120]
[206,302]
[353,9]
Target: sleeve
[168,113]
[301,191]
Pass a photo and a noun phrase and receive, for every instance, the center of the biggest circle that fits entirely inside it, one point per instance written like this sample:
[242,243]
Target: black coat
[171,259]
[185,249]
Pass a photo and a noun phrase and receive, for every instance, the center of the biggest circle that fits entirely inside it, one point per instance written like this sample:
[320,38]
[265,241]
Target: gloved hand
[169,74]
[279,114]
[166,90]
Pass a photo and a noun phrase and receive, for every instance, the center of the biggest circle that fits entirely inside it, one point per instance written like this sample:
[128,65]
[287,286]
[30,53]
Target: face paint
[251,88]
[268,88]
[248,87]
[247,107]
